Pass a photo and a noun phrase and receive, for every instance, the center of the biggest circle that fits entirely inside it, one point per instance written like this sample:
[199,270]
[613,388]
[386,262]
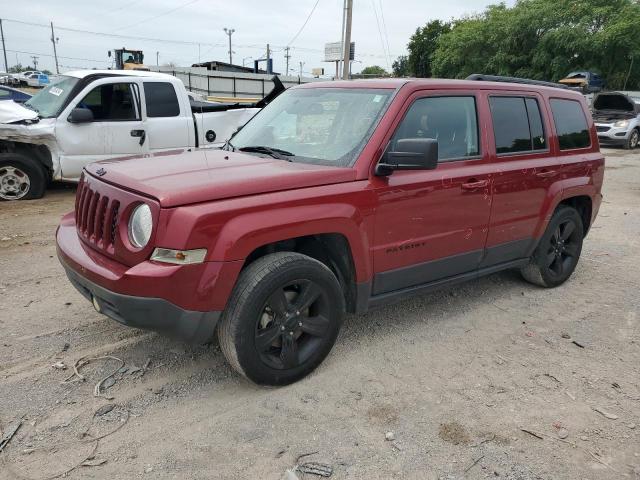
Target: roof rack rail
[497,78]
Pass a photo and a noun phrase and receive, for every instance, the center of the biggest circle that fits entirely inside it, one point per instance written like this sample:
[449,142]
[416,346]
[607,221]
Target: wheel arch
[583,204]
[38,152]
[331,249]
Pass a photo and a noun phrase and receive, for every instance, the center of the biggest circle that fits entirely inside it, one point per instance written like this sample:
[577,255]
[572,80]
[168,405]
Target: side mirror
[410,154]
[80,115]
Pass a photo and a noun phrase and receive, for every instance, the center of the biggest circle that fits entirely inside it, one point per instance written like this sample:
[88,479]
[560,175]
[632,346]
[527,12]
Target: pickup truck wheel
[634,140]
[282,319]
[558,252]
[20,179]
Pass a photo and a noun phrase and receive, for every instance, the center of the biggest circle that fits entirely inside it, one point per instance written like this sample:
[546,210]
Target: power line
[386,35]
[159,15]
[373,4]
[176,42]
[59,56]
[304,24]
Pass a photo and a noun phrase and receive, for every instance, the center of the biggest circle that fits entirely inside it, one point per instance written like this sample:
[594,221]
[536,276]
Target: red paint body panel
[233,203]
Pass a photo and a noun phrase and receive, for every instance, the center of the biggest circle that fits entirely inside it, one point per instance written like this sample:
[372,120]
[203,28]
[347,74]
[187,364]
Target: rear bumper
[148,313]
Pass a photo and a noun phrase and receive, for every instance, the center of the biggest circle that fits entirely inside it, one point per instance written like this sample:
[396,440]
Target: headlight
[621,123]
[140,225]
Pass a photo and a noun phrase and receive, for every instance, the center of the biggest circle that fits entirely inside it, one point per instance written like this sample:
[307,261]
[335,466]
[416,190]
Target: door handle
[546,173]
[139,133]
[474,184]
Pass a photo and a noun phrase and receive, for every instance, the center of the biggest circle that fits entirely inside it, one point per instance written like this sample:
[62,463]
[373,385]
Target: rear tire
[558,251]
[282,318]
[634,140]
[20,178]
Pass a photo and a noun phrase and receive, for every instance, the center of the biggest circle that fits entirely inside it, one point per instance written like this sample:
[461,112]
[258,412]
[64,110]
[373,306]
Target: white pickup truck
[94,115]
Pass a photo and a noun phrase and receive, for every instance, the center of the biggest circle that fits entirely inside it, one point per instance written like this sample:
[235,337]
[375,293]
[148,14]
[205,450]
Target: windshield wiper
[273,152]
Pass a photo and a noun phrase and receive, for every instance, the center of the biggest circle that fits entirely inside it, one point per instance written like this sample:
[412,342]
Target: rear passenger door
[526,178]
[168,125]
[432,224]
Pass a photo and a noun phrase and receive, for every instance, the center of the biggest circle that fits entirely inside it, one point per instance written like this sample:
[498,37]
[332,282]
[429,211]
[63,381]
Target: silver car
[617,119]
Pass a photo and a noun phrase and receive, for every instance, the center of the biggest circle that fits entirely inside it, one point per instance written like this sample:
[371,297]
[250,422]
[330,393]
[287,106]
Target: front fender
[246,232]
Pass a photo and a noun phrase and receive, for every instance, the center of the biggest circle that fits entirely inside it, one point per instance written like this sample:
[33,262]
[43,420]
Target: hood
[183,177]
[11,112]
[617,102]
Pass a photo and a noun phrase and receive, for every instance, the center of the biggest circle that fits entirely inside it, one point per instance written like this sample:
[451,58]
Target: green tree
[401,66]
[422,45]
[374,70]
[545,39]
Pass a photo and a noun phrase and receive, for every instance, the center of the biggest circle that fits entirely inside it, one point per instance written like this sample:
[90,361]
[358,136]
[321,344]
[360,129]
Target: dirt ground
[452,379]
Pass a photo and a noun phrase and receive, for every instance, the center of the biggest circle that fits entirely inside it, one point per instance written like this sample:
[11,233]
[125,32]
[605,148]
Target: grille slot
[96,217]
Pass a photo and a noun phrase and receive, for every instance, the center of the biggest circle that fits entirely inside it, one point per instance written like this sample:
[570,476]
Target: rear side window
[161,99]
[452,121]
[517,124]
[571,124]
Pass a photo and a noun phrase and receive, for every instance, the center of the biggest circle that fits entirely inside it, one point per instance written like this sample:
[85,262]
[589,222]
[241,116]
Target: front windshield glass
[49,101]
[327,126]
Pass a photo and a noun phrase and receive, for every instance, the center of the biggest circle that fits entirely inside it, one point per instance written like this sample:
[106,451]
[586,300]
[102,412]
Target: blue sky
[256,23]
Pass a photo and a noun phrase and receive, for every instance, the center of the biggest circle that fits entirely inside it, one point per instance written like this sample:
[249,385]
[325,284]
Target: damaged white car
[94,115]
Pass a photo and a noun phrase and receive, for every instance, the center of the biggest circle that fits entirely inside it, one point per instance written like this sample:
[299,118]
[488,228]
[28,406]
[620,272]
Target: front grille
[602,128]
[96,217]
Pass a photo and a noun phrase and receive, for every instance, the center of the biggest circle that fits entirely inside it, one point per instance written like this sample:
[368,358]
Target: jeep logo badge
[100,172]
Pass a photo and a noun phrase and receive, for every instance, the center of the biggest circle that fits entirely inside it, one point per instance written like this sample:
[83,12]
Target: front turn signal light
[179,257]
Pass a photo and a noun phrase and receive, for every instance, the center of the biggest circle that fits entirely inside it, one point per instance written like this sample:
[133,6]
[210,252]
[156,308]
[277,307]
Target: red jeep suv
[337,197]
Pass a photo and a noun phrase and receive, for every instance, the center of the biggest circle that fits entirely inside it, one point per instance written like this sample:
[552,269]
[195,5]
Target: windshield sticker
[377,99]
[55,91]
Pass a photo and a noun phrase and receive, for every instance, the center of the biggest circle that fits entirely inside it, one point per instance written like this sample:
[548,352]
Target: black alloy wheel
[282,318]
[558,251]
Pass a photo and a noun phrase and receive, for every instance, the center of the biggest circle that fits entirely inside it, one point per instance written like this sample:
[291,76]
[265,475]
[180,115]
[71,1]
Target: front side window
[571,124]
[517,124]
[452,121]
[111,102]
[327,126]
[161,100]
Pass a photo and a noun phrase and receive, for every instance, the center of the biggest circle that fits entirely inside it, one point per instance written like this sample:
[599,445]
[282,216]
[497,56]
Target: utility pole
[4,50]
[35,62]
[287,57]
[55,53]
[269,70]
[347,40]
[301,65]
[229,32]
[157,59]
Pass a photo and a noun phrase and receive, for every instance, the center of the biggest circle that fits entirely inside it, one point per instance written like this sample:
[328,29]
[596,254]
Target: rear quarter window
[571,124]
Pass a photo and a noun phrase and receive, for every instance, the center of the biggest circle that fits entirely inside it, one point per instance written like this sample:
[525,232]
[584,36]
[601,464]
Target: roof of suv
[438,83]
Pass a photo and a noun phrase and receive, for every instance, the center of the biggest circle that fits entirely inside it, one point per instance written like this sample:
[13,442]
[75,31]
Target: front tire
[282,318]
[20,178]
[558,251]
[634,140]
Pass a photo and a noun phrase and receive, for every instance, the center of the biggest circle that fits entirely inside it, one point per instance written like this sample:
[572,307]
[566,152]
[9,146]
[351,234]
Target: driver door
[117,128]
[432,225]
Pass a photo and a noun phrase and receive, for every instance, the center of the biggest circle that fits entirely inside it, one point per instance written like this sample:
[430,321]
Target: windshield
[327,126]
[49,101]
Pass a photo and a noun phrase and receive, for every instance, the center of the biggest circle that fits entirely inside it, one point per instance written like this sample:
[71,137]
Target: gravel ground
[437,387]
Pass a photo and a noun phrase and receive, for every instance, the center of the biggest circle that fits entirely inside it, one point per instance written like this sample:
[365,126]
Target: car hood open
[184,177]
[12,112]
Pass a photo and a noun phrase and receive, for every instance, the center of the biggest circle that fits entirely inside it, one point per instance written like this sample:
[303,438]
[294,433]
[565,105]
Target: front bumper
[148,313]
[179,300]
[612,135]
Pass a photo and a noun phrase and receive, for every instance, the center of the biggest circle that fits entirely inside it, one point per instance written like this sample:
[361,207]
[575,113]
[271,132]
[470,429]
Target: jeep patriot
[336,197]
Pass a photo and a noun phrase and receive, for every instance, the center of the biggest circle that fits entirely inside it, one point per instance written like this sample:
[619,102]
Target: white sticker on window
[377,99]
[55,91]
